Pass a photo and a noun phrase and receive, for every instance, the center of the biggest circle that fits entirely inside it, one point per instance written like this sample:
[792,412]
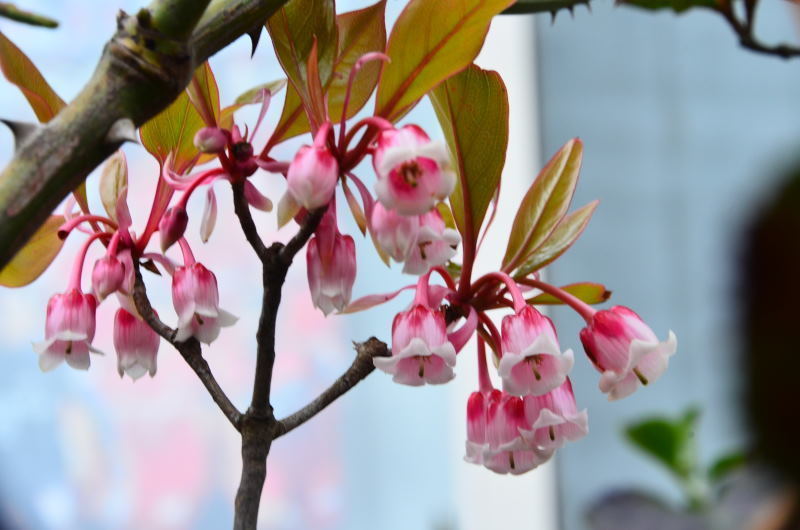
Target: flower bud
[210,140]
[172,226]
[312,176]
[625,350]
[136,344]
[108,276]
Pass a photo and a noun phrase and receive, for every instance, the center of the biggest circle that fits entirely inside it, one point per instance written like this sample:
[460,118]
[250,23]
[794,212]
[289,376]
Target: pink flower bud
[421,352]
[532,362]
[413,172]
[136,344]
[172,226]
[435,244]
[69,330]
[625,350]
[108,276]
[331,277]
[196,300]
[312,176]
[210,140]
[507,451]
[395,233]
[554,418]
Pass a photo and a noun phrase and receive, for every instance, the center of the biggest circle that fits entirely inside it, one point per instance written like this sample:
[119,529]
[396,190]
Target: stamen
[536,373]
[640,376]
[511,462]
[421,372]
[69,348]
[199,320]
[411,172]
[552,433]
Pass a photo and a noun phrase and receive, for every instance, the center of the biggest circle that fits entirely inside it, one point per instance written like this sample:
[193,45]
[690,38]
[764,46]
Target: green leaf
[591,293]
[565,234]
[430,42]
[253,96]
[204,94]
[18,69]
[360,32]
[173,131]
[34,258]
[543,6]
[472,108]
[545,203]
[294,29]
[678,6]
[669,441]
[726,464]
[113,182]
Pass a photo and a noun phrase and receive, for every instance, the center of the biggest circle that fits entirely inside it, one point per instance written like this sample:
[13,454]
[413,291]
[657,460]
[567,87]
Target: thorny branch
[189,350]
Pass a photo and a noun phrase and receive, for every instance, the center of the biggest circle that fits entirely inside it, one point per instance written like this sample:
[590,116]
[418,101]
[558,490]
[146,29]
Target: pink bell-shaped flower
[507,452]
[395,234]
[476,427]
[136,344]
[435,244]
[413,172]
[625,350]
[108,276]
[69,330]
[331,280]
[421,352]
[196,299]
[313,173]
[532,362]
[554,418]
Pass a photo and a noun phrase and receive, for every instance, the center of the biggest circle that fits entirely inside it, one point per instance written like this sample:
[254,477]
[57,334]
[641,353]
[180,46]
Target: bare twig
[745,32]
[362,366]
[302,236]
[242,209]
[190,350]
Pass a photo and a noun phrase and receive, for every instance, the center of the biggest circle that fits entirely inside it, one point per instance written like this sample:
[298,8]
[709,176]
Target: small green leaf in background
[726,464]
[543,6]
[431,41]
[34,258]
[173,131]
[568,230]
[254,95]
[472,107]
[669,441]
[113,182]
[545,204]
[591,293]
[678,6]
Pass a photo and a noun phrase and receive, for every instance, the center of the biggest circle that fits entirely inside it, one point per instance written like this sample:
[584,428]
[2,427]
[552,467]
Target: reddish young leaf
[430,42]
[545,203]
[18,69]
[204,94]
[472,108]
[591,293]
[34,258]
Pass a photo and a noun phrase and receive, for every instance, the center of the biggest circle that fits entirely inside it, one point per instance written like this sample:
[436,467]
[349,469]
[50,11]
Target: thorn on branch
[21,130]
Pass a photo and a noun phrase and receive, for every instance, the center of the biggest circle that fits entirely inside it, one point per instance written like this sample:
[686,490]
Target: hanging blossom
[136,345]
[331,265]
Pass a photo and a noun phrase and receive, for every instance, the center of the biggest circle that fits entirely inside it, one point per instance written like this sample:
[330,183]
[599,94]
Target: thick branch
[362,366]
[189,350]
[142,70]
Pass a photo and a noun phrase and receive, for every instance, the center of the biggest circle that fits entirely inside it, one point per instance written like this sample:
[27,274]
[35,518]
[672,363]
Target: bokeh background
[684,135]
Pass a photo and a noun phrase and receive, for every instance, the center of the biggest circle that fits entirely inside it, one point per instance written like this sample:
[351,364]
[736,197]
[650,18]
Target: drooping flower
[625,350]
[196,299]
[506,451]
[421,352]
[313,173]
[331,280]
[69,331]
[532,362]
[396,234]
[554,418]
[108,275]
[435,244]
[413,172]
[136,345]
[476,427]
